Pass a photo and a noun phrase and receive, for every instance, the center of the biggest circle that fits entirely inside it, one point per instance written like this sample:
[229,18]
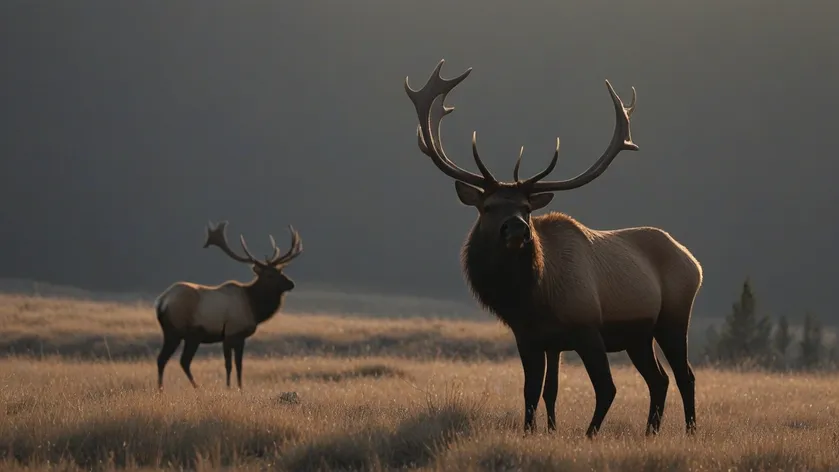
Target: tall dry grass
[96,330]
[373,412]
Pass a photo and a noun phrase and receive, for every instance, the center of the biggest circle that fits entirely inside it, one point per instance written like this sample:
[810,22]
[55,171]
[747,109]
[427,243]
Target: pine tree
[745,337]
[782,340]
[761,348]
[811,342]
[710,352]
[833,354]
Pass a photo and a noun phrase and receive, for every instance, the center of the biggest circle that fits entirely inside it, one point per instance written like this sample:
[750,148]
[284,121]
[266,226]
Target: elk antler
[430,106]
[429,103]
[621,141]
[293,251]
[277,259]
[216,236]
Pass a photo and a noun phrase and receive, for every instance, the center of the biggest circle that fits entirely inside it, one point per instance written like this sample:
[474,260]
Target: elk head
[269,271]
[504,207]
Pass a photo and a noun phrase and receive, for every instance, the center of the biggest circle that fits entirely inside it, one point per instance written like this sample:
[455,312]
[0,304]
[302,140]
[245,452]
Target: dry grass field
[77,392]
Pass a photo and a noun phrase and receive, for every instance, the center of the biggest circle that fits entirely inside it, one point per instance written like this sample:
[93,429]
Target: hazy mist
[125,126]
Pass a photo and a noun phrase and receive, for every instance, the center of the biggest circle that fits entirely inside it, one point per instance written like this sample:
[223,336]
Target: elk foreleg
[592,352]
[551,386]
[533,363]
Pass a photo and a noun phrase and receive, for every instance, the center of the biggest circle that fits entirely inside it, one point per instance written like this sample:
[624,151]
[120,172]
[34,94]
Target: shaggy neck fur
[265,298]
[505,282]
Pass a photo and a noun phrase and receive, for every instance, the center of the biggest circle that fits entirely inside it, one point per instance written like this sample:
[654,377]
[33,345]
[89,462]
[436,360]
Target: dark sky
[125,126]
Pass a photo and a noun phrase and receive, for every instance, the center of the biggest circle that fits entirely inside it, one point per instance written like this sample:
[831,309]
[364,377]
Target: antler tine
[253,259]
[518,165]
[295,250]
[274,248]
[216,236]
[481,167]
[631,107]
[621,141]
[429,102]
[544,173]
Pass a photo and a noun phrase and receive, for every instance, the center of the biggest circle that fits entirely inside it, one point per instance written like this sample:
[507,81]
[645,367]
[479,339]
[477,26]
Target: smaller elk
[228,313]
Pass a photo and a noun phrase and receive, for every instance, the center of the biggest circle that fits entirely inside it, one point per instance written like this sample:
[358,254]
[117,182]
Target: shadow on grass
[374,371]
[500,456]
[416,442]
[131,441]
[505,454]
[24,405]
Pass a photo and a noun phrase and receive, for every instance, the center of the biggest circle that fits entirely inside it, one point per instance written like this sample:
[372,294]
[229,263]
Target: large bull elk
[228,313]
[561,286]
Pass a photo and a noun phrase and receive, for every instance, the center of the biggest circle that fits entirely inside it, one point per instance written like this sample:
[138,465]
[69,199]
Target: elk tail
[160,310]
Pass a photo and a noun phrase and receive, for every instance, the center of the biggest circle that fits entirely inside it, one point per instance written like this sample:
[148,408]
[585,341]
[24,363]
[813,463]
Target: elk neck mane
[264,297]
[509,284]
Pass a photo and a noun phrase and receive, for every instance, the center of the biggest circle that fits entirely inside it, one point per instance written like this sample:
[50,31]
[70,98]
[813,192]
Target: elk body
[228,313]
[561,286]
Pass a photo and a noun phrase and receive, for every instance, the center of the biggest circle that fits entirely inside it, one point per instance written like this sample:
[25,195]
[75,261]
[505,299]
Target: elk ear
[256,269]
[540,200]
[468,195]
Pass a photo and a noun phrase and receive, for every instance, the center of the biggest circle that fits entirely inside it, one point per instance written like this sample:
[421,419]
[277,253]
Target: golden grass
[70,328]
[375,412]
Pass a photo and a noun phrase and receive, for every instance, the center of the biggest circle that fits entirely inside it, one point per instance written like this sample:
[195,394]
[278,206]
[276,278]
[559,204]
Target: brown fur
[628,286]
[228,309]
[585,276]
[229,312]
[562,286]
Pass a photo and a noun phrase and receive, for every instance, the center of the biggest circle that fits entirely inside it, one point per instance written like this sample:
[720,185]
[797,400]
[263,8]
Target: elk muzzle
[515,233]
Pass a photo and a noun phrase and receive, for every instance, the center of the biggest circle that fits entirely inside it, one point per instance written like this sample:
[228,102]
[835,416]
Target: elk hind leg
[644,359]
[239,352]
[227,347]
[592,351]
[190,348]
[170,345]
[673,339]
